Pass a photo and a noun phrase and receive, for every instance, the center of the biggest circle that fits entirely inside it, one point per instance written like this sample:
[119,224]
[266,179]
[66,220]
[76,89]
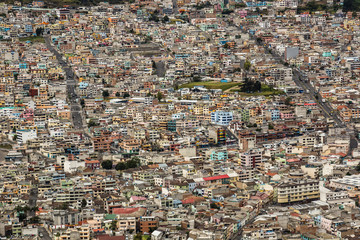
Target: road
[45,234]
[175,7]
[76,111]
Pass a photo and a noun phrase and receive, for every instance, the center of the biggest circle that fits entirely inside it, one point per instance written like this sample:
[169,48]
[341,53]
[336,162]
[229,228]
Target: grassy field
[211,85]
[35,39]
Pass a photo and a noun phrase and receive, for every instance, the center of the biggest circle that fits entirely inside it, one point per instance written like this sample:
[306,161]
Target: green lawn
[211,85]
[34,39]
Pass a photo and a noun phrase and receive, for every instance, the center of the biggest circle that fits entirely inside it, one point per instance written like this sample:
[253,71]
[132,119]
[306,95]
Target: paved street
[44,234]
[76,111]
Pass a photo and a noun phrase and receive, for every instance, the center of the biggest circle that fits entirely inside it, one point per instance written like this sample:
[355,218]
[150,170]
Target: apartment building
[298,190]
[251,159]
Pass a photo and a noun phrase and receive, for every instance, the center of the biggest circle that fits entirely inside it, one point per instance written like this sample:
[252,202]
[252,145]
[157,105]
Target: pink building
[286,115]
[243,13]
[28,114]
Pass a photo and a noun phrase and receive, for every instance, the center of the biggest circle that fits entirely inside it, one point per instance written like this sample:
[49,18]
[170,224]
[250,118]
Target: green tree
[15,137]
[357,168]
[120,166]
[165,19]
[288,101]
[247,65]
[351,5]
[34,220]
[107,164]
[138,236]
[105,93]
[22,216]
[82,103]
[83,203]
[159,96]
[196,79]
[39,31]
[131,164]
[113,225]
[92,123]
[126,95]
[214,205]
[271,126]
[117,94]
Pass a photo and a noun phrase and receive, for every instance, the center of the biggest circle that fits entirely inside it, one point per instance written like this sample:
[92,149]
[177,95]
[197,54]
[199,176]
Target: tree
[271,126]
[15,137]
[154,17]
[34,220]
[64,206]
[196,79]
[22,217]
[159,96]
[113,225]
[138,236]
[247,65]
[257,86]
[82,103]
[117,94]
[214,205]
[83,203]
[250,86]
[131,164]
[120,166]
[354,14]
[126,95]
[351,5]
[165,19]
[288,101]
[39,31]
[105,93]
[107,164]
[92,123]
[357,168]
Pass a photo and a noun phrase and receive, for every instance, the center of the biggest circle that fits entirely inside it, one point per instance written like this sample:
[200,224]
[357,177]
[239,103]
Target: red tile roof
[126,210]
[216,177]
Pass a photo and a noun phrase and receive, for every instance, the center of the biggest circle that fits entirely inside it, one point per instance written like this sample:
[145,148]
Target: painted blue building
[221,117]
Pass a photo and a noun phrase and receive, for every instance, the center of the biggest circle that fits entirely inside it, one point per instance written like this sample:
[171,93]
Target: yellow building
[298,190]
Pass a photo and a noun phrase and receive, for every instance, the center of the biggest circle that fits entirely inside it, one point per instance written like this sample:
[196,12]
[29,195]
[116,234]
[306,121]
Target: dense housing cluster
[181,119]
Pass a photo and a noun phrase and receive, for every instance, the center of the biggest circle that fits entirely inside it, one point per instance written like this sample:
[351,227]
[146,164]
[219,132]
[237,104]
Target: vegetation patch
[34,39]
[211,85]
[5,146]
